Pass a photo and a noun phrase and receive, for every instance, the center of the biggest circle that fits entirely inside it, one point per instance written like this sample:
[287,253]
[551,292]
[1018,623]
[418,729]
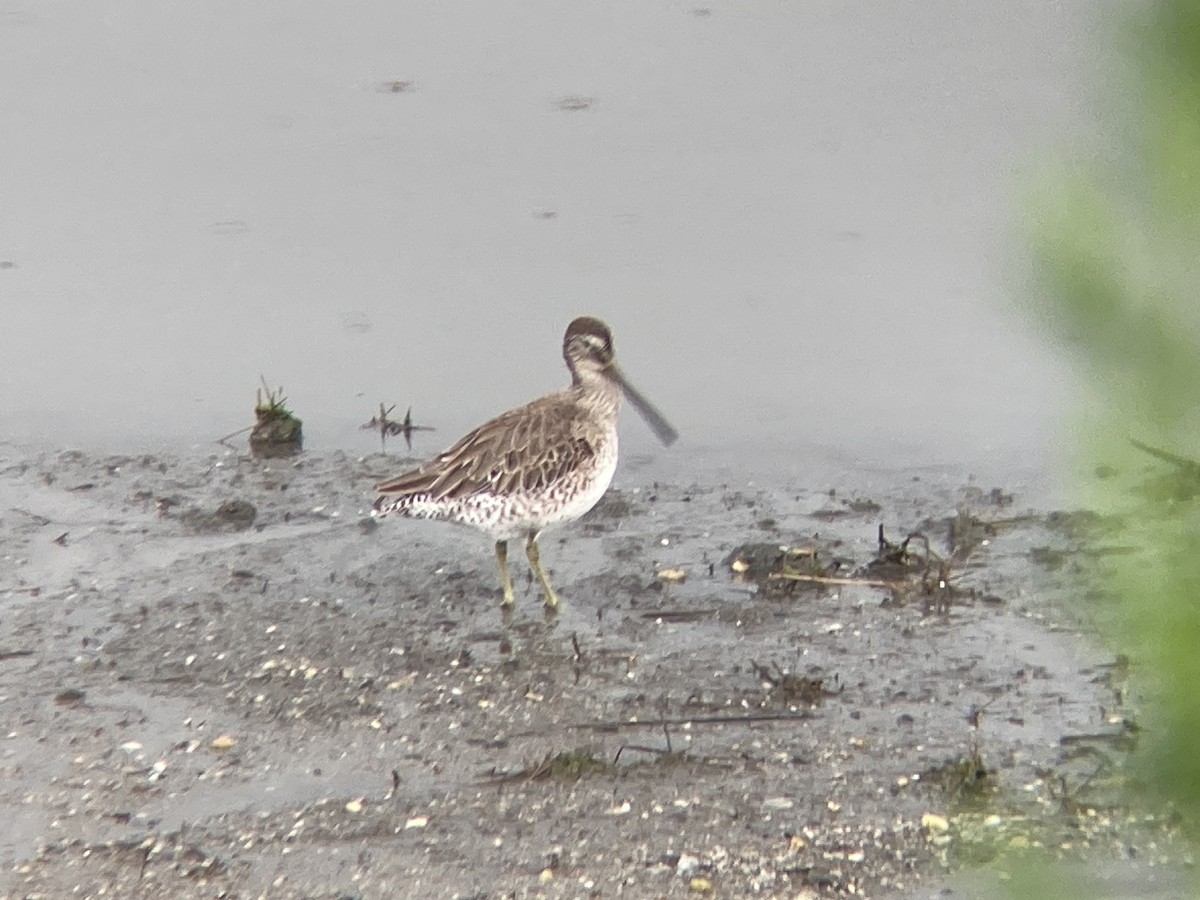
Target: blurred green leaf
[1119,250]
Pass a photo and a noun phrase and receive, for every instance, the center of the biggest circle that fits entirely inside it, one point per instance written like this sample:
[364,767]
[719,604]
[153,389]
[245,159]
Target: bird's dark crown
[587,339]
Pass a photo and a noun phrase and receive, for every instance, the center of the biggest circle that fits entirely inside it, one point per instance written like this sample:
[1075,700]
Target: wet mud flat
[220,678]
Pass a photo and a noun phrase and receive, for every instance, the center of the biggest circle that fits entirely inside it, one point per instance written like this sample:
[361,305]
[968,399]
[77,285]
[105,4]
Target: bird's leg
[505,579]
[535,563]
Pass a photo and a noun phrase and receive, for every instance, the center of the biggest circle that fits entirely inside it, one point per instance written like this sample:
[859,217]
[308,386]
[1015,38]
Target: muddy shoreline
[222,679]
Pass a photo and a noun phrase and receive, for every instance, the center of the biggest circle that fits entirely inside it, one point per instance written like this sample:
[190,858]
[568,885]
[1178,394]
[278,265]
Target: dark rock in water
[779,568]
[276,435]
[232,515]
[756,561]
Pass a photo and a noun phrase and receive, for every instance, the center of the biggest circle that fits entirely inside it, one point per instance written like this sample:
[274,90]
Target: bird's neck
[597,390]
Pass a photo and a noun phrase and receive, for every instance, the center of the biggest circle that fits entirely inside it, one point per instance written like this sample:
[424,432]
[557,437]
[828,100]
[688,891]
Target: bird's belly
[565,500]
[506,515]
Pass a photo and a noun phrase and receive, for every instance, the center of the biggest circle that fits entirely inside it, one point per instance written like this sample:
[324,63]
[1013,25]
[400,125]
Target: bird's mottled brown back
[523,451]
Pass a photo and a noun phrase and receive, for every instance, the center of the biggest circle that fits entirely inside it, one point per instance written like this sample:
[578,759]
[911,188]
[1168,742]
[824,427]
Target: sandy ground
[219,678]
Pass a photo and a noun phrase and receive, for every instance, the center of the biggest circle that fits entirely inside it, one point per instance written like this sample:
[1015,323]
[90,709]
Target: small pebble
[934,823]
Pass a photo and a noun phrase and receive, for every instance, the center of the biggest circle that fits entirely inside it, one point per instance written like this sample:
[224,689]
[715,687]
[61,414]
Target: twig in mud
[14,654]
[929,573]
[900,551]
[831,579]
[802,715]
[1024,519]
[658,751]
[663,705]
[234,434]
[541,769]
[31,591]
[1123,740]
[762,562]
[389,427]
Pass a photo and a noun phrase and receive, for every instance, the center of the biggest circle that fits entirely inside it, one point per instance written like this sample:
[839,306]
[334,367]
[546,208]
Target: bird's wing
[523,450]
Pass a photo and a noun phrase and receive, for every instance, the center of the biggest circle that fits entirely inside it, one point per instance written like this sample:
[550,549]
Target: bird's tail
[386,504]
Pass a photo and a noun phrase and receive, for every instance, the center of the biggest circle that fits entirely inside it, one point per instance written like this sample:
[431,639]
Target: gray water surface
[800,219]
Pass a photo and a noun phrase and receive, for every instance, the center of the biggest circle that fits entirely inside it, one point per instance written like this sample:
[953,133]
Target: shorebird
[533,467]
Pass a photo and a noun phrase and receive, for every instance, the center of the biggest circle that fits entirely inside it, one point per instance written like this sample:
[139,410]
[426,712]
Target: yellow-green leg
[535,563]
[505,578]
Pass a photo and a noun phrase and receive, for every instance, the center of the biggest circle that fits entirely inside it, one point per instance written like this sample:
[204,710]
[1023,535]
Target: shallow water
[798,219]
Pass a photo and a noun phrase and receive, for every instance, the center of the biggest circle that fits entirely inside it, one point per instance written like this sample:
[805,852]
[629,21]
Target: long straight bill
[658,424]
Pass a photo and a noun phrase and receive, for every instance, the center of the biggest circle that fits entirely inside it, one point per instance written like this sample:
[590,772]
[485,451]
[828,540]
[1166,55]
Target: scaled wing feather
[521,450]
